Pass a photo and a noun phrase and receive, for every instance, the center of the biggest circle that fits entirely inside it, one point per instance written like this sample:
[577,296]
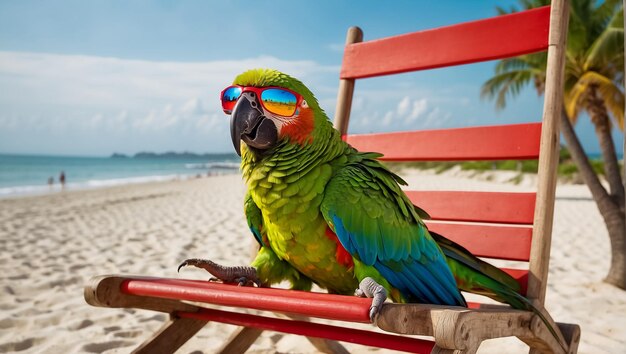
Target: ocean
[29,174]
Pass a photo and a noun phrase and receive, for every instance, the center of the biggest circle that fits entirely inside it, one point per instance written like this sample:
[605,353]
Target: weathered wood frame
[455,330]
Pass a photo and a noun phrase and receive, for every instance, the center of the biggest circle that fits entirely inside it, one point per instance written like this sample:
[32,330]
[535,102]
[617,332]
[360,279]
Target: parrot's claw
[240,275]
[371,289]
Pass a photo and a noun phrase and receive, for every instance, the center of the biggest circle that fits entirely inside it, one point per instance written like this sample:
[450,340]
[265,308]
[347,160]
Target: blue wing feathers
[428,283]
[378,225]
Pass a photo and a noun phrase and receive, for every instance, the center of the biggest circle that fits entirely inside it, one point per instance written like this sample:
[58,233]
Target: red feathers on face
[299,128]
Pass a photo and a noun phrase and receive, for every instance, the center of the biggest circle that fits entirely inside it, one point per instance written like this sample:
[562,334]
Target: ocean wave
[24,190]
[89,184]
[213,165]
[97,183]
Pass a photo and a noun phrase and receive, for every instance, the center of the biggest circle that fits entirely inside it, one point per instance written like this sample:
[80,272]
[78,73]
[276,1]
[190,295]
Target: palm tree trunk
[600,118]
[610,210]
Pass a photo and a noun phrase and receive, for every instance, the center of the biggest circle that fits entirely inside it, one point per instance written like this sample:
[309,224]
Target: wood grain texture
[549,157]
[172,335]
[346,88]
[498,142]
[106,291]
[462,330]
[240,340]
[493,38]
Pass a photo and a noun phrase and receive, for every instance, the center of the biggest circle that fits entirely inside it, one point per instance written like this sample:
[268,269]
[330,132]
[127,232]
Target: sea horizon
[30,174]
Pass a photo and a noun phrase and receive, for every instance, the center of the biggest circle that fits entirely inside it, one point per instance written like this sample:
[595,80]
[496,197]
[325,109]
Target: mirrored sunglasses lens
[279,102]
[229,98]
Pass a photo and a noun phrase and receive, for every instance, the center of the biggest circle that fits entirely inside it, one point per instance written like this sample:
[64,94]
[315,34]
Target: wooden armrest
[106,291]
[452,327]
[461,328]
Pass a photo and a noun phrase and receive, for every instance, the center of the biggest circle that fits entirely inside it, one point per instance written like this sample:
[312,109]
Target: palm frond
[573,100]
[607,48]
[611,95]
[505,84]
[606,11]
[613,99]
[594,66]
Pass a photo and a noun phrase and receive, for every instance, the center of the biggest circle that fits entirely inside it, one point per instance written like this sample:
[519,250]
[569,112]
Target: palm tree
[593,83]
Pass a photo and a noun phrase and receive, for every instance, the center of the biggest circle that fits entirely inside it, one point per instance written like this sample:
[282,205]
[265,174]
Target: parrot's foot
[241,275]
[370,288]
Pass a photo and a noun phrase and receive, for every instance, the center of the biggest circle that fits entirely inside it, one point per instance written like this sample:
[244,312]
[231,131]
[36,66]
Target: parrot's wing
[254,218]
[377,224]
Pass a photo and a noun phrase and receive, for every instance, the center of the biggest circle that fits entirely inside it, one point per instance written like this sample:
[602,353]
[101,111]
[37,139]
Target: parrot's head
[269,108]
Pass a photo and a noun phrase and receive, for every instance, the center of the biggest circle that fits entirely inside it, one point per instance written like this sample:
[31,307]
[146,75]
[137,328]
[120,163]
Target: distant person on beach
[62,179]
[50,182]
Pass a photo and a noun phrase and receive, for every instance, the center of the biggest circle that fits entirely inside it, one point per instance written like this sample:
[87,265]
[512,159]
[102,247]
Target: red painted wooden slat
[498,142]
[493,38]
[337,307]
[491,207]
[492,241]
[318,330]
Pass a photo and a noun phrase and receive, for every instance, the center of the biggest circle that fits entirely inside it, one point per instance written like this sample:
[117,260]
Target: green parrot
[325,213]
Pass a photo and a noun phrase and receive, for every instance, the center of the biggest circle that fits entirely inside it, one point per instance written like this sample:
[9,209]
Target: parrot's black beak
[248,123]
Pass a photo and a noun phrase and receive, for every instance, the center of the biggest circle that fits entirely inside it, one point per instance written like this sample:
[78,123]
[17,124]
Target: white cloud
[403,106]
[336,47]
[192,106]
[75,94]
[387,119]
[408,113]
[437,119]
[75,79]
[419,108]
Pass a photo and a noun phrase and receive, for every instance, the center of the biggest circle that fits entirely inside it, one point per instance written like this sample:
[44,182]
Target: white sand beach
[52,245]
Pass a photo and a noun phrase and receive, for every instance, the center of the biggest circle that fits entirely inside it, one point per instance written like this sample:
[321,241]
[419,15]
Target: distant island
[174,155]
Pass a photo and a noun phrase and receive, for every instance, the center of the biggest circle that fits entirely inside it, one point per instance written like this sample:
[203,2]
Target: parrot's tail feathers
[458,253]
[477,276]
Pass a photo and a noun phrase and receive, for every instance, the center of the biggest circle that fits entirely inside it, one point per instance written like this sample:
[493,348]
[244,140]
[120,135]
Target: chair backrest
[512,226]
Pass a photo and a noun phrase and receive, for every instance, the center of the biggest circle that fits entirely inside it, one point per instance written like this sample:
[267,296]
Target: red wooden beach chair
[513,226]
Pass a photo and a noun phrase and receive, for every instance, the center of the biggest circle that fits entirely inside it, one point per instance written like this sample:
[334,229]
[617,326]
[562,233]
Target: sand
[51,245]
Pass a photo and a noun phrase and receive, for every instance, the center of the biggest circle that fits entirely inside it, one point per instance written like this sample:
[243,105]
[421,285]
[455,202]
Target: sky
[89,78]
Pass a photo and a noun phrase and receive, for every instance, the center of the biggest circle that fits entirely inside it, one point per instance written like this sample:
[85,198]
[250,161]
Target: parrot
[324,213]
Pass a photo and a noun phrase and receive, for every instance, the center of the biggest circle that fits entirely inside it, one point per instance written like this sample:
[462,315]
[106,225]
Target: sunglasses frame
[258,91]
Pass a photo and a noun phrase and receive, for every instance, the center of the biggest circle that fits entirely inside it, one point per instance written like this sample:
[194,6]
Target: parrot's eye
[304,104]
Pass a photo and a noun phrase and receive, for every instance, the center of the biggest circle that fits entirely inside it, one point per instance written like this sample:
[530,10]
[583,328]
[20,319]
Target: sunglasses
[276,100]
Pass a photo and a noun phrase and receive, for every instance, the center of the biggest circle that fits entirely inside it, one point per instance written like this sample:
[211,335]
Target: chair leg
[571,332]
[240,340]
[328,346]
[438,350]
[173,334]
